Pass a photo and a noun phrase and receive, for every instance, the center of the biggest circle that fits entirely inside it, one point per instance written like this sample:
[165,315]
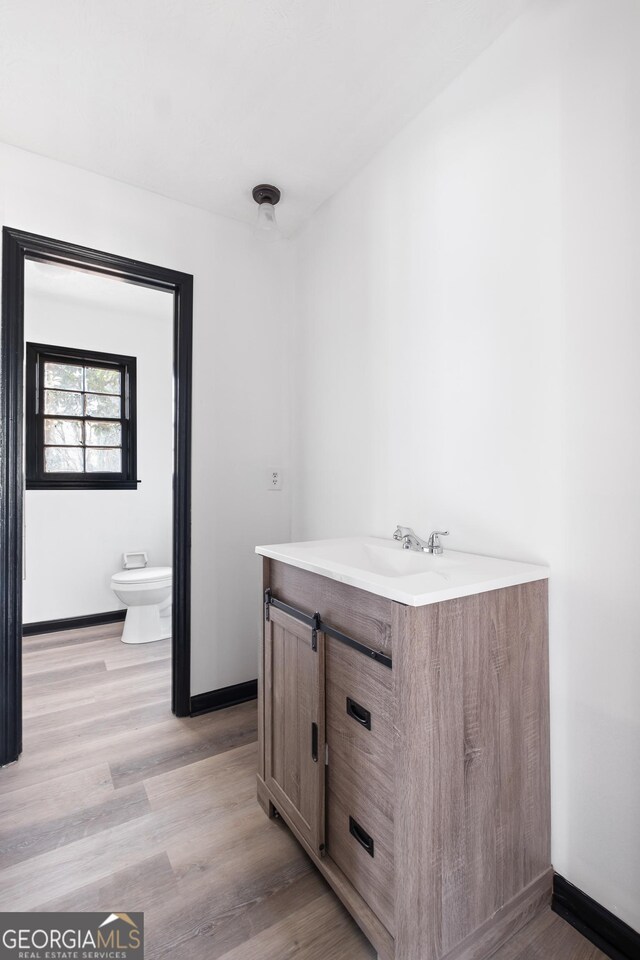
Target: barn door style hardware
[312,621]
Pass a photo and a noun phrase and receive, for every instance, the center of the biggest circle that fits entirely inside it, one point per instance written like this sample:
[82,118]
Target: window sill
[82,484]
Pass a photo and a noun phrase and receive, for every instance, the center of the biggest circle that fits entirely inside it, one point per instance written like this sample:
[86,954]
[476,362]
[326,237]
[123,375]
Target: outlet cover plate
[274,478]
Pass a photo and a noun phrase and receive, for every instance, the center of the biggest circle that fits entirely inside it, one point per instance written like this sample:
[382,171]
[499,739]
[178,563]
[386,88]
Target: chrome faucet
[411,540]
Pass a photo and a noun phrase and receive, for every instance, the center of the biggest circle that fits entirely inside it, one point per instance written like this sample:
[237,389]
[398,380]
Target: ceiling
[199,100]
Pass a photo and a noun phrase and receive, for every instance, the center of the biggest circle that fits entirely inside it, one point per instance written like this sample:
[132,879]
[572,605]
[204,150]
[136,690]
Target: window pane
[104,461]
[102,380]
[63,460]
[63,432]
[68,404]
[97,406]
[62,375]
[104,433]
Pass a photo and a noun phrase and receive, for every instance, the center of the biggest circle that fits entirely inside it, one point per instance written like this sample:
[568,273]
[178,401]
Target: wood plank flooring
[116,805]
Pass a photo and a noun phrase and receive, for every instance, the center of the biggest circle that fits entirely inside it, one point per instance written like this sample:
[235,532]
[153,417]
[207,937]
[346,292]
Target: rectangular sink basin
[383,567]
[381,557]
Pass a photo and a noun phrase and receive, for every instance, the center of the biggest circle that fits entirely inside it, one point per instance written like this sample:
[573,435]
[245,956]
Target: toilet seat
[142,575]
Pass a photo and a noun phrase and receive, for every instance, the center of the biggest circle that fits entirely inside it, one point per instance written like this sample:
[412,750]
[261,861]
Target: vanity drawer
[360,716]
[360,776]
[360,838]
[361,615]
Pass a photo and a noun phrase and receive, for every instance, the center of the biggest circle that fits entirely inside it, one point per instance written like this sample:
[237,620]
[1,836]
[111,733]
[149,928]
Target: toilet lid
[142,575]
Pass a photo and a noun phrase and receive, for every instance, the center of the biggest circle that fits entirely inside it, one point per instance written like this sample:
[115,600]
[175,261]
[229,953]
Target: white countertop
[382,567]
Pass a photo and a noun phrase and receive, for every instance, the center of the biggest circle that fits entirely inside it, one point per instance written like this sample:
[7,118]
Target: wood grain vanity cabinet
[407,750]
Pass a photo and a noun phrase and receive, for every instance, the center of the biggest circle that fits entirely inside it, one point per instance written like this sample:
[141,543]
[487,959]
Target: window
[80,419]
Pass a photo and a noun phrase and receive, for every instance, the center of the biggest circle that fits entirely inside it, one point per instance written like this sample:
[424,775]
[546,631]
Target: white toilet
[147,594]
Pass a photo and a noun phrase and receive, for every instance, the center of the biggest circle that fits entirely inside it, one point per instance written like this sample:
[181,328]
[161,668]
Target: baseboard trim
[73,623]
[606,931]
[225,697]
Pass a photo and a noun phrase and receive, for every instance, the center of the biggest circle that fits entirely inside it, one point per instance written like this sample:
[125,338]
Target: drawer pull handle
[359,714]
[314,742]
[361,836]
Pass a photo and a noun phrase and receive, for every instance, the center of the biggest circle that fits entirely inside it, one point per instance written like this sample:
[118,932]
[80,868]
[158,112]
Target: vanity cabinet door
[294,724]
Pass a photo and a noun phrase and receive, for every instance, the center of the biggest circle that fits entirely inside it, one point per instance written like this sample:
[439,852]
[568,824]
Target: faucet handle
[434,541]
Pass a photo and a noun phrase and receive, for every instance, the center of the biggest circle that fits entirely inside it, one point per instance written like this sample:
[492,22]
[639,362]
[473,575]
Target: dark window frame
[37,354]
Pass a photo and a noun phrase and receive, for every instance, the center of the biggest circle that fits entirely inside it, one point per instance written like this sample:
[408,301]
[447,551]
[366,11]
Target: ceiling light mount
[266,226]
[266,193]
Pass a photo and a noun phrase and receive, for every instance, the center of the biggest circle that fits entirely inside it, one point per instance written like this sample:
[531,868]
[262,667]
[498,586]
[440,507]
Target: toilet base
[144,624]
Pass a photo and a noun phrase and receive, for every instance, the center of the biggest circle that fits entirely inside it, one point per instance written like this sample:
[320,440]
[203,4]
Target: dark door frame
[17,247]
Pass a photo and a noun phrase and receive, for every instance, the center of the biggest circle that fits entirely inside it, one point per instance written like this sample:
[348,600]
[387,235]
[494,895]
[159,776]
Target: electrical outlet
[275,479]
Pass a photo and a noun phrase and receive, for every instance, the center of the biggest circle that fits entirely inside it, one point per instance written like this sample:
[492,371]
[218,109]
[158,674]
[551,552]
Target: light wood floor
[117,805]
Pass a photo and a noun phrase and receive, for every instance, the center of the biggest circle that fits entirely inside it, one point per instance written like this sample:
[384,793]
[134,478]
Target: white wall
[240,416]
[468,351]
[75,538]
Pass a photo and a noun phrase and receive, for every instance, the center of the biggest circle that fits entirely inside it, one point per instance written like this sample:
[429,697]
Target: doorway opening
[19,248]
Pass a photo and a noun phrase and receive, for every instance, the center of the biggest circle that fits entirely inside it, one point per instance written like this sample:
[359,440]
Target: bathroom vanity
[404,737]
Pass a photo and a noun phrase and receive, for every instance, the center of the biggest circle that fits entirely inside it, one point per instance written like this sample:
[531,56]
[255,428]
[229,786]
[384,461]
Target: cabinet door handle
[361,836]
[314,742]
[359,714]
